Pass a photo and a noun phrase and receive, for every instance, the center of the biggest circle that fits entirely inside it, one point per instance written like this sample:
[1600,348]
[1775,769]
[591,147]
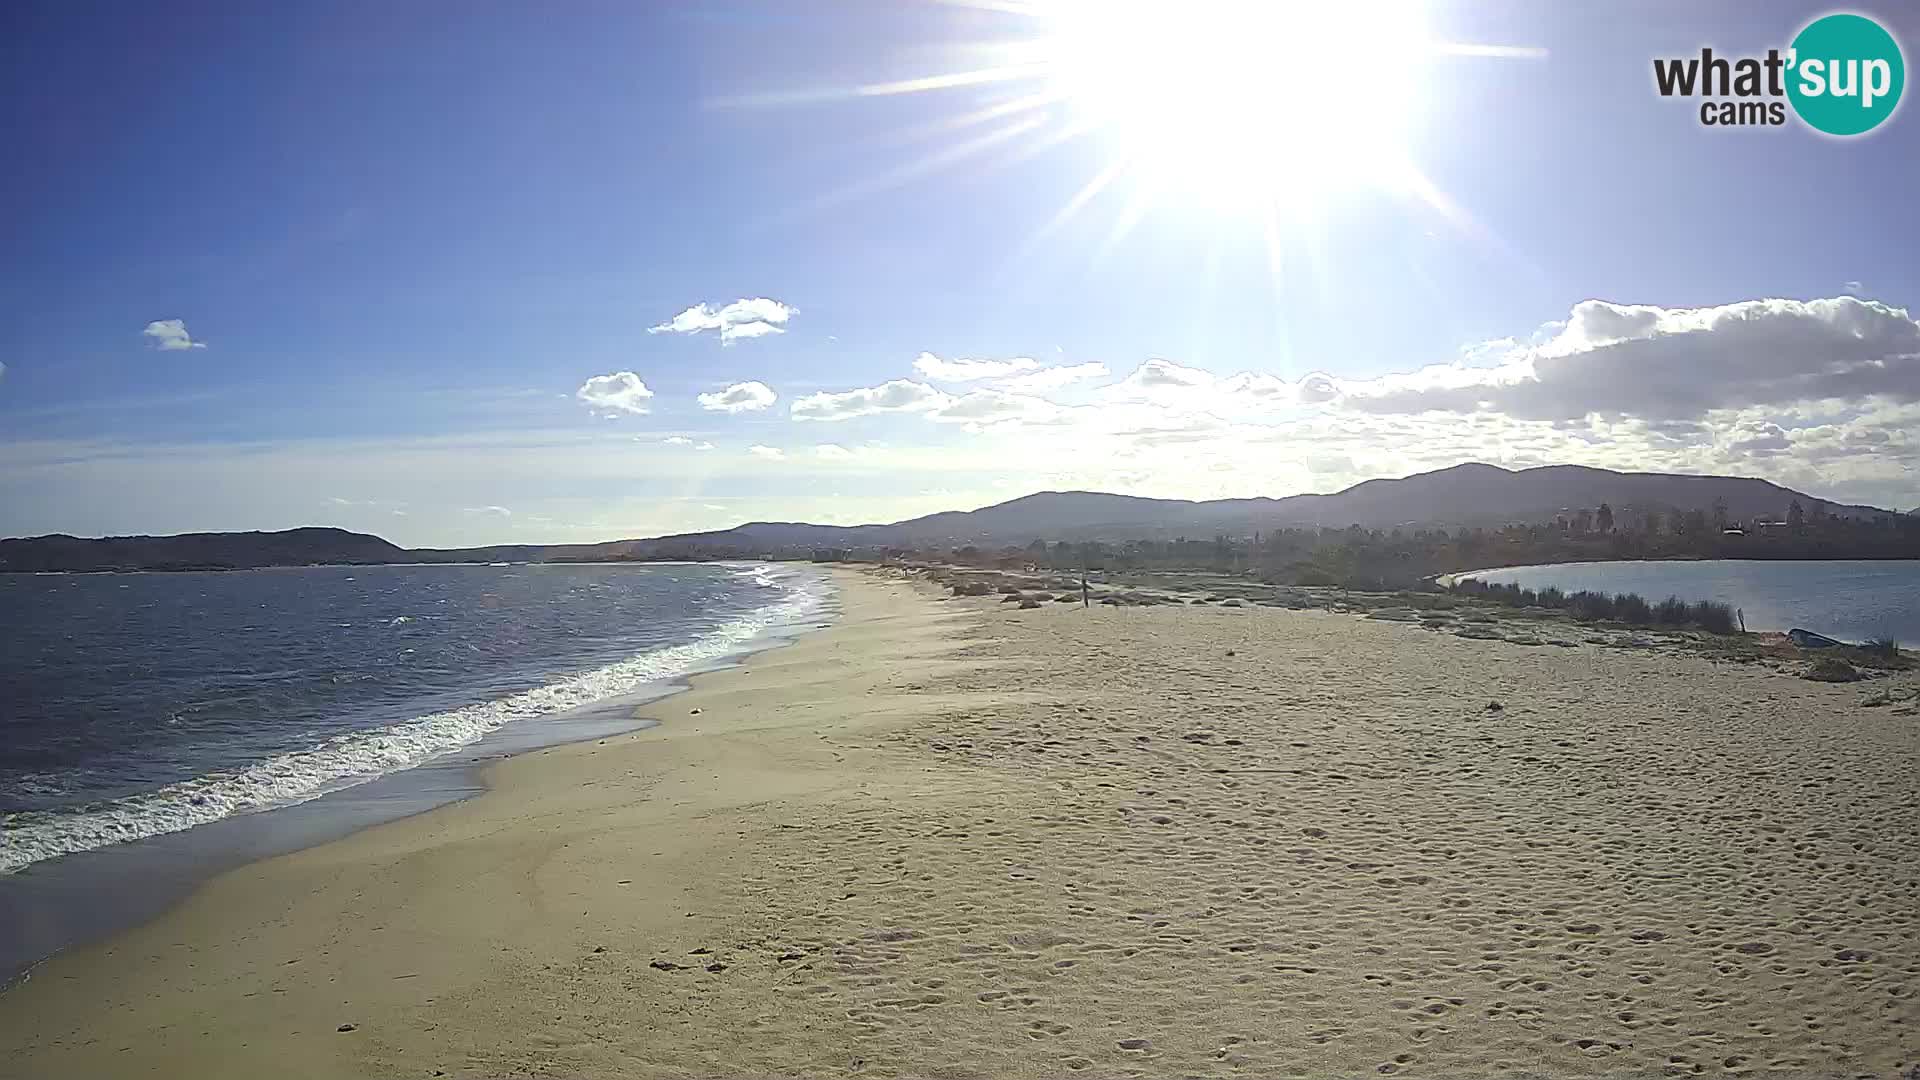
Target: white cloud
[1053,378]
[1674,363]
[493,511]
[1156,377]
[897,395]
[933,367]
[741,319]
[740,397]
[982,408]
[1165,383]
[170,335]
[1613,385]
[703,446]
[619,392]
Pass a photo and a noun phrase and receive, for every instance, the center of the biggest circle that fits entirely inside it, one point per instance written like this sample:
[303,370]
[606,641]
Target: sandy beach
[948,837]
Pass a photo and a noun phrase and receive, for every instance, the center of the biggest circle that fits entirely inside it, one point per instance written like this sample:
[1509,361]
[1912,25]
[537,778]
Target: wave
[357,757]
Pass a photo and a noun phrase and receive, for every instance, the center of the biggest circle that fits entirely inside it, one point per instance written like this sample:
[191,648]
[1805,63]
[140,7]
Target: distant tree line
[1399,558]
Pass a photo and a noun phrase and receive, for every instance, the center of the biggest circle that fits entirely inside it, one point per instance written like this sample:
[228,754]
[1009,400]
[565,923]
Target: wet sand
[955,838]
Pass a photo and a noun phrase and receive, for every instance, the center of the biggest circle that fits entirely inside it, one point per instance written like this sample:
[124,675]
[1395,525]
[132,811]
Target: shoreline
[1442,579]
[951,836]
[70,901]
[204,920]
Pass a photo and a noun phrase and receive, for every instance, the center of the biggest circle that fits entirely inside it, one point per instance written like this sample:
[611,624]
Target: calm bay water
[1850,600]
[134,705]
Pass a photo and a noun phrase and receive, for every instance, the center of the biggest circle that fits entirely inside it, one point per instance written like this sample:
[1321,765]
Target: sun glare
[1263,113]
[1242,101]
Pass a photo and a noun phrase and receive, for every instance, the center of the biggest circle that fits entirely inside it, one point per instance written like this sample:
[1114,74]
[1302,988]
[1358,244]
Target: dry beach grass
[957,838]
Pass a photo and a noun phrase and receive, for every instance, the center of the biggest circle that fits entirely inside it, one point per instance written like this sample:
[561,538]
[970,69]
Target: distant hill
[1462,496]
[197,551]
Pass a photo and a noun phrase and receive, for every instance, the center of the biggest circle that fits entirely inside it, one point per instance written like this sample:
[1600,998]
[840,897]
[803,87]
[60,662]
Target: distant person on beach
[1085,601]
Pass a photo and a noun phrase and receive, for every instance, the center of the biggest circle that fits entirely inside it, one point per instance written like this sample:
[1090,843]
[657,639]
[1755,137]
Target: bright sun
[1241,102]
[1265,110]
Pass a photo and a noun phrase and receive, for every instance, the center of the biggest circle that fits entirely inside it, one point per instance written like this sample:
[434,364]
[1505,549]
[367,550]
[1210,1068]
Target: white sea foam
[360,756]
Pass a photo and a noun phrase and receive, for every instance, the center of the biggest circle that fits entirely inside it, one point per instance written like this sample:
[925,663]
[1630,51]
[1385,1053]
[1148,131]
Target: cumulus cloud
[771,453]
[894,396]
[619,392]
[1054,378]
[740,397]
[741,319]
[1674,363]
[677,440]
[832,452]
[170,335]
[933,367]
[986,407]
[491,511]
[1166,383]
[1156,376]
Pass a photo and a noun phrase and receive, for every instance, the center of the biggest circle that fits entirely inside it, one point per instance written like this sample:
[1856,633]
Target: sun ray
[1503,52]
[930,163]
[1227,110]
[1071,209]
[953,81]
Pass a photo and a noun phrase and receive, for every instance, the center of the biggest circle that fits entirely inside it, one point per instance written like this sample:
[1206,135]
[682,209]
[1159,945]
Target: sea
[1850,600]
[159,727]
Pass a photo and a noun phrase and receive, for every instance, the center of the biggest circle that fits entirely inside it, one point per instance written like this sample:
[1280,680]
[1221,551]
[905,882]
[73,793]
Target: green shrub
[1630,608]
[1672,611]
[1633,609]
[1712,615]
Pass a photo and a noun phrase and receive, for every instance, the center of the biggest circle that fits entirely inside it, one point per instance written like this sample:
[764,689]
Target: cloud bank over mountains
[1822,395]
[1818,393]
[1822,392]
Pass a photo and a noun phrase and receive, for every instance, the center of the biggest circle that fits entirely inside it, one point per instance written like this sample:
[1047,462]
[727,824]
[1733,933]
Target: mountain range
[1466,495]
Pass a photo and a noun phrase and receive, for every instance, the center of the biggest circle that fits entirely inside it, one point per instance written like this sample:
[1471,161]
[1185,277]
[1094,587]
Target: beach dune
[956,838]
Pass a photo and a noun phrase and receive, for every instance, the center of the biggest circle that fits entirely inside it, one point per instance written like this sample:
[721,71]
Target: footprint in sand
[1042,1029]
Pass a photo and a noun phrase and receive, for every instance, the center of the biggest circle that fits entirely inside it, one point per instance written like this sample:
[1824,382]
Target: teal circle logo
[1845,74]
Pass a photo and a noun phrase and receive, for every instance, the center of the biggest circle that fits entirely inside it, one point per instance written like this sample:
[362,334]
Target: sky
[488,272]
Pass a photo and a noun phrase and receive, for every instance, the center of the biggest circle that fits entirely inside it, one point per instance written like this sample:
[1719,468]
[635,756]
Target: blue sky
[357,265]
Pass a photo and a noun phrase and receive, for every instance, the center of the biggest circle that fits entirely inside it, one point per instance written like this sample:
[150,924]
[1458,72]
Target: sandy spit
[952,838]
